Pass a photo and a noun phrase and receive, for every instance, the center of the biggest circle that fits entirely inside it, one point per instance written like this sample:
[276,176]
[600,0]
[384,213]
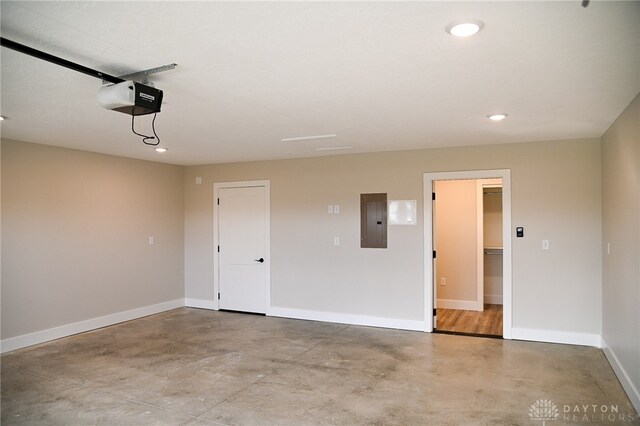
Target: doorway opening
[467,237]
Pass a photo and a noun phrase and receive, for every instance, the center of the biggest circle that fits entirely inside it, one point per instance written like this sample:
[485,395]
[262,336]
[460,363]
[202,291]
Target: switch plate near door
[336,241]
[545,244]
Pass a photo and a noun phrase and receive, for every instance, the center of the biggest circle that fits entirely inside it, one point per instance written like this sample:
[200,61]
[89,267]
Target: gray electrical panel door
[373,220]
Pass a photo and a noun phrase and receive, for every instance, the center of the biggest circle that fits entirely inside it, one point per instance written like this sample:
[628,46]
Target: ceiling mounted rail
[10,44]
[143,76]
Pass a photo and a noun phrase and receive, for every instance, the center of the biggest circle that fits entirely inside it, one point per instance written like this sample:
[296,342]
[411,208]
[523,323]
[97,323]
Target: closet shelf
[495,251]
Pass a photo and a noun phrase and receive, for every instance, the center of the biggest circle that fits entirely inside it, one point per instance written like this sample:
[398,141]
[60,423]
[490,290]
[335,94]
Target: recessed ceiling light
[161,149]
[497,117]
[2,117]
[464,28]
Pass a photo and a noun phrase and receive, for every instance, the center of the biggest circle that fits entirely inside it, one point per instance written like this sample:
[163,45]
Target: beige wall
[75,228]
[456,241]
[68,229]
[621,229]
[555,195]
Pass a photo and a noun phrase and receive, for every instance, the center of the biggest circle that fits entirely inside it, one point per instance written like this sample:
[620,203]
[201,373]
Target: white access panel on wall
[402,212]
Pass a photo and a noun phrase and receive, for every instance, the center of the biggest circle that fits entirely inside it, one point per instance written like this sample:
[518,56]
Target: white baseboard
[30,339]
[551,336]
[630,388]
[200,303]
[493,299]
[465,305]
[402,324]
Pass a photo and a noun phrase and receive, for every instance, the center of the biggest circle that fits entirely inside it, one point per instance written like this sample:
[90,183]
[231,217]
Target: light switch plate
[198,180]
[545,244]
[336,209]
[336,241]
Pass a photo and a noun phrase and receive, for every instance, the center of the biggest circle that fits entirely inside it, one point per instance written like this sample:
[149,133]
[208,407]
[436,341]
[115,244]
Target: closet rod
[493,252]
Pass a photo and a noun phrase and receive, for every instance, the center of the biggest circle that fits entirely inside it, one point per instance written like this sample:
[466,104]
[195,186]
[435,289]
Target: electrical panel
[373,220]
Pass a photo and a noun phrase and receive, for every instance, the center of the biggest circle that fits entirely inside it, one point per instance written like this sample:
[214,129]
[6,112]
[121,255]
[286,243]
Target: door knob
[261,260]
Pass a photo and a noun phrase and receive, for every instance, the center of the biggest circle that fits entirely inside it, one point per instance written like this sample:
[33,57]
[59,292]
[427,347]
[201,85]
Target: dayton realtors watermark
[544,410]
[596,413]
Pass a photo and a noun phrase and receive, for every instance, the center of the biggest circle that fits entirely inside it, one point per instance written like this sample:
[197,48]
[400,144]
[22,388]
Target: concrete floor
[199,367]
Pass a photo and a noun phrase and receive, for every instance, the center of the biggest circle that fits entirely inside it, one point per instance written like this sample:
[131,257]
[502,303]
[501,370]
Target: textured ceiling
[380,75]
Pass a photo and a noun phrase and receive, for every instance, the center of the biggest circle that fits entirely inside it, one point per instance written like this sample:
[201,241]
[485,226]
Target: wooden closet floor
[488,321]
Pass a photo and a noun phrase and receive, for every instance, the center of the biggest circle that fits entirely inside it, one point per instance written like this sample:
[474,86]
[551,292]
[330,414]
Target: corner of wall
[625,380]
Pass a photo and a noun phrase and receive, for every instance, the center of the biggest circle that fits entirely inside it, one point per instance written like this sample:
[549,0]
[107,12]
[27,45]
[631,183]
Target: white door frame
[479,247]
[429,178]
[216,258]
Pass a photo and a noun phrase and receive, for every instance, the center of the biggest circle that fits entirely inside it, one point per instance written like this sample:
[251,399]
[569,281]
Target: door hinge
[219,299]
[433,196]
[434,312]
[218,249]
[218,201]
[434,254]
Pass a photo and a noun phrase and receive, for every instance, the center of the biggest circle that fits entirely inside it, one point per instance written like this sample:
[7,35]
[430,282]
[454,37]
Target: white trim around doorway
[429,179]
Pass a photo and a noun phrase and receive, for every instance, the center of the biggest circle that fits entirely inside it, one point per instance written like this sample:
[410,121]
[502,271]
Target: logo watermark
[543,410]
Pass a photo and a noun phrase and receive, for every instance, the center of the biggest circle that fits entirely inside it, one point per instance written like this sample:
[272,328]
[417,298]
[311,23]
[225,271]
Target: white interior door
[242,231]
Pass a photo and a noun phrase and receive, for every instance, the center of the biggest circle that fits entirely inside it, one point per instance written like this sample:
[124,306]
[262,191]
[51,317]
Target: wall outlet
[152,240]
[443,281]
